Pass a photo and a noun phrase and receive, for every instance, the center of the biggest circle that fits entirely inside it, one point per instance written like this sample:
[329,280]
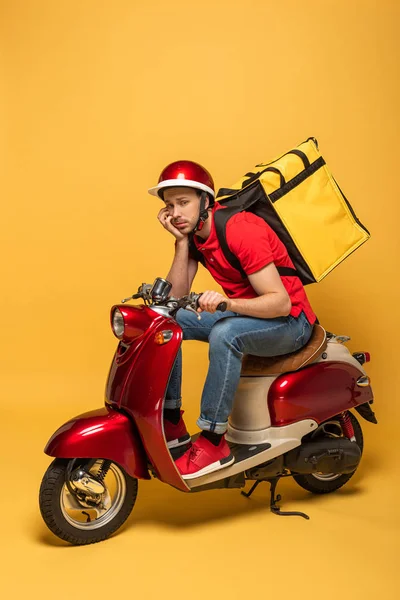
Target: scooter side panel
[143,398]
[137,383]
[102,433]
[317,392]
[141,322]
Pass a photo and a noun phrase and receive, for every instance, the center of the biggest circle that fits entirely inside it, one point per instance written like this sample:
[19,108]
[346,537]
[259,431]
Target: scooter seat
[274,365]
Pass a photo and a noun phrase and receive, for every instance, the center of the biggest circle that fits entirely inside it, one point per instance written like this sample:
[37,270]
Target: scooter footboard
[103,433]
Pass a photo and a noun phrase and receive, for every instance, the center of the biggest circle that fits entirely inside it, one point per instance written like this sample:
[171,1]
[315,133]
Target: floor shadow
[167,507]
[47,538]
[38,532]
[173,509]
[371,462]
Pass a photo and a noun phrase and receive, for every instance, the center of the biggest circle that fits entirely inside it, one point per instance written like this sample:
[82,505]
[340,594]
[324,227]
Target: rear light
[362,357]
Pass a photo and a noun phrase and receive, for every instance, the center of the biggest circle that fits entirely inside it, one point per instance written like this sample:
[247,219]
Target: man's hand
[165,220]
[209,301]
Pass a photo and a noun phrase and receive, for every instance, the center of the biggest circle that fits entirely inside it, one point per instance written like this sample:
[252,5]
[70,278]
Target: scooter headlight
[118,323]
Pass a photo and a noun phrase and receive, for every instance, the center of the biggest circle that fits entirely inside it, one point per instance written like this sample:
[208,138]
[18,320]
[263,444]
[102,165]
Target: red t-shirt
[256,245]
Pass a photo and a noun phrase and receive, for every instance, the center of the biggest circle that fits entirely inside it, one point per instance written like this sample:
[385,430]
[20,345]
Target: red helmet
[184,173]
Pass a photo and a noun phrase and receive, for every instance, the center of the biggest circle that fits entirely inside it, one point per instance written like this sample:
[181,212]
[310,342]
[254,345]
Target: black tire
[51,494]
[319,486]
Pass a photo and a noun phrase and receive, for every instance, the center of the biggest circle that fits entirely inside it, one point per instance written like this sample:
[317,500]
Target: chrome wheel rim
[326,476]
[80,516]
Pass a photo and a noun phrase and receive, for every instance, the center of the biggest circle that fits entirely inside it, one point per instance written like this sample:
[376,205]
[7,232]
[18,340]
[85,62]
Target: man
[267,315]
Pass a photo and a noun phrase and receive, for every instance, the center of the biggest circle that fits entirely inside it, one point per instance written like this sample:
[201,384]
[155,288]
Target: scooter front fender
[103,433]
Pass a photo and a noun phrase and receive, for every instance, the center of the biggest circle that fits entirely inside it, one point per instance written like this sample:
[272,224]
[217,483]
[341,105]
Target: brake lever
[190,309]
[143,292]
[131,298]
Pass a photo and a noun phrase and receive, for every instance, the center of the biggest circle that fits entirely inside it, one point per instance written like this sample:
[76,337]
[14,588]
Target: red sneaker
[176,435]
[203,457]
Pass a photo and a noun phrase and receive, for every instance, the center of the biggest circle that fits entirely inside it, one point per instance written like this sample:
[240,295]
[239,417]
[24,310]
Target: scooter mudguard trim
[103,433]
[367,413]
[317,392]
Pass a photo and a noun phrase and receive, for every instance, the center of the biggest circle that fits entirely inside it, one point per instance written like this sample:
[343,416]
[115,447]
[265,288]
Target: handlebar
[222,306]
[158,293]
[194,299]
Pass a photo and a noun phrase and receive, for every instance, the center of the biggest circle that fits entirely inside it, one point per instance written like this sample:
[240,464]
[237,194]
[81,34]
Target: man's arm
[272,301]
[183,269]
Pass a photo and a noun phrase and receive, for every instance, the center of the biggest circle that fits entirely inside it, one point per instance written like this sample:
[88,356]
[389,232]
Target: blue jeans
[230,336]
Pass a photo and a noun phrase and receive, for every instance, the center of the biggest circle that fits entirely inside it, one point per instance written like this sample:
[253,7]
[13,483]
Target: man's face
[183,204]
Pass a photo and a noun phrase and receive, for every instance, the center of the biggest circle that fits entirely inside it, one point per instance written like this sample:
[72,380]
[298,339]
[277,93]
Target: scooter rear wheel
[325,483]
[79,520]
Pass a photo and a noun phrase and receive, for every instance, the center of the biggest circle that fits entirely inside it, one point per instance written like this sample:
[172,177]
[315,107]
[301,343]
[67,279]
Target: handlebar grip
[222,306]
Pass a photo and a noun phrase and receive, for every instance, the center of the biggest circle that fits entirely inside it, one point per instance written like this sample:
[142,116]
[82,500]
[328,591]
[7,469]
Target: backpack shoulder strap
[221,218]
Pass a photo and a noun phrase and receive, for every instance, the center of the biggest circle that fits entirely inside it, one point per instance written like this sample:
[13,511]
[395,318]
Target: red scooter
[291,417]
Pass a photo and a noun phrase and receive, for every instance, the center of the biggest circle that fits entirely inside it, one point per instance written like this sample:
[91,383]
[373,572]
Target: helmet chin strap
[203,214]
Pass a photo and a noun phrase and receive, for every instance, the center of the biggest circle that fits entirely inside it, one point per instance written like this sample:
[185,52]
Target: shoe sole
[219,464]
[179,441]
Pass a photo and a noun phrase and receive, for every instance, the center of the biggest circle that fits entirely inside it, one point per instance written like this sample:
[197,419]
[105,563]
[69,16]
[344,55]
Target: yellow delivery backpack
[300,200]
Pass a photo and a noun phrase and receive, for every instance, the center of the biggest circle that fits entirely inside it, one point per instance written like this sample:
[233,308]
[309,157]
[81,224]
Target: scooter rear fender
[103,433]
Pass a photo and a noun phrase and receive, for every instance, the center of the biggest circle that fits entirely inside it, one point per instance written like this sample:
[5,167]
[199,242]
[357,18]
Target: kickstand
[253,487]
[272,504]
[275,509]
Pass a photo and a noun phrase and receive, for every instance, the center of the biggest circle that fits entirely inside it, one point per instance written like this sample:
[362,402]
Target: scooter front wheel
[84,506]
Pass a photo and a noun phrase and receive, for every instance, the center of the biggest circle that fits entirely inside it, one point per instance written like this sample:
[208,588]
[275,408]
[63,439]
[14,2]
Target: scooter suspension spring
[103,470]
[347,426]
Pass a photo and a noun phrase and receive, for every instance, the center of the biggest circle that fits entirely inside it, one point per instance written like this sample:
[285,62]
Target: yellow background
[96,97]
